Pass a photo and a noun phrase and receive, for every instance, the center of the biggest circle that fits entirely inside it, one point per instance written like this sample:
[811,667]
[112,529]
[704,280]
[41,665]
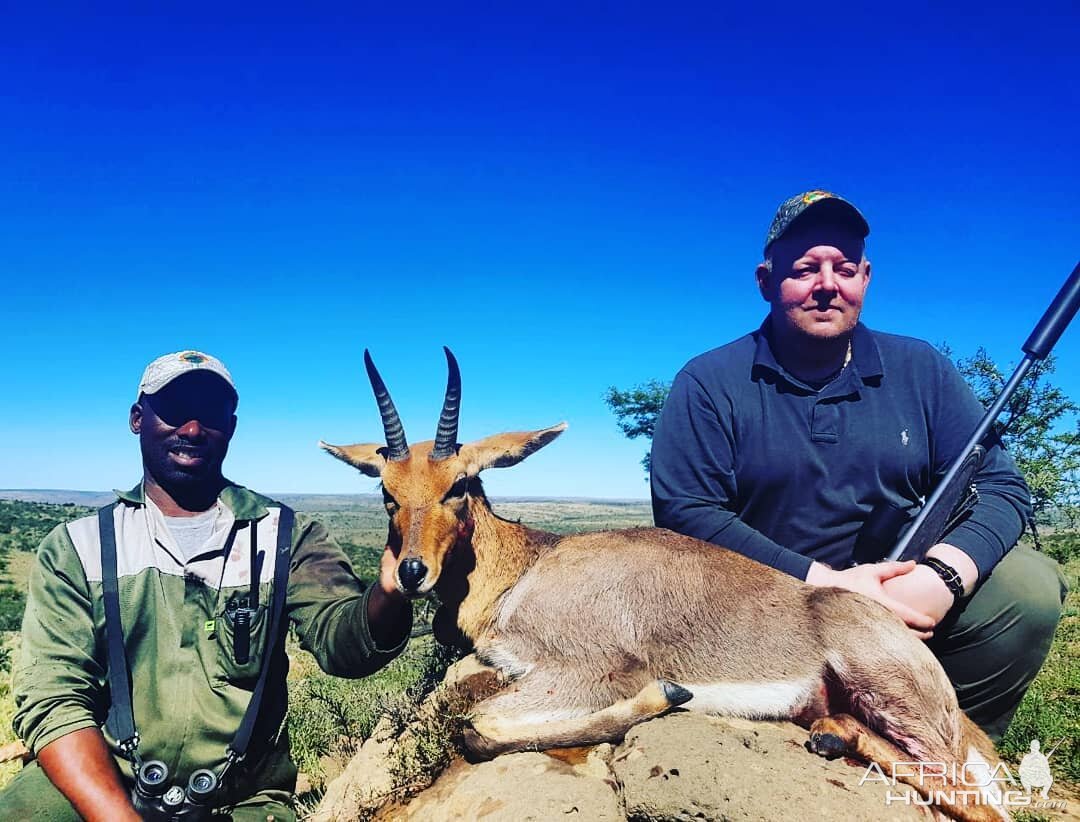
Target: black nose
[411,573]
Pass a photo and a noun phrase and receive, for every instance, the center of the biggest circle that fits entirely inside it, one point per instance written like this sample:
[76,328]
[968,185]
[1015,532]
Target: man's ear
[762,273]
[135,418]
[367,457]
[504,450]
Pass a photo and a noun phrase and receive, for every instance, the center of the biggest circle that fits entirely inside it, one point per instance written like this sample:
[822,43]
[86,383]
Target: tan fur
[593,629]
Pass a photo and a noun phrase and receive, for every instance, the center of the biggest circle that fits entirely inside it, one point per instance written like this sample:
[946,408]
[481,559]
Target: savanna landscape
[330,718]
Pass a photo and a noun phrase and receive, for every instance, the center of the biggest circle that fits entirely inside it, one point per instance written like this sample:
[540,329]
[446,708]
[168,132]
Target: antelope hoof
[479,748]
[827,739]
[674,693]
[827,745]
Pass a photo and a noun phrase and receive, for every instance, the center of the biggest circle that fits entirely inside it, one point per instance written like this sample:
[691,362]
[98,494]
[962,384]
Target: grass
[1050,710]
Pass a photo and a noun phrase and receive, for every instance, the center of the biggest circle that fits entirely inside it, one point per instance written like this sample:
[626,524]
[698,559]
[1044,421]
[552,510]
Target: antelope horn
[446,435]
[397,448]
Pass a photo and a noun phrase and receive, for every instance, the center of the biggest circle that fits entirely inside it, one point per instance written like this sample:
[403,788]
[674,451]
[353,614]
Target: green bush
[1063,546]
[331,717]
[12,605]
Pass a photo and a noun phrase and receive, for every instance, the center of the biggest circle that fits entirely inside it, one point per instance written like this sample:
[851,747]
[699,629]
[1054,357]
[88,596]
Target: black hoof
[477,748]
[828,745]
[675,694]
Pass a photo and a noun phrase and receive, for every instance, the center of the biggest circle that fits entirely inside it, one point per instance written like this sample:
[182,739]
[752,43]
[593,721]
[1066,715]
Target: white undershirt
[192,533]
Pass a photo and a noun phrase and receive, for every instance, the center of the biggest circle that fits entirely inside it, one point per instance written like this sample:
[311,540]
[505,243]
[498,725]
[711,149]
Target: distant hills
[91,499]
[302,502]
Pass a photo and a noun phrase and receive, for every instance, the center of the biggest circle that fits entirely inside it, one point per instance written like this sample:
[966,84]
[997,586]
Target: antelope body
[599,631]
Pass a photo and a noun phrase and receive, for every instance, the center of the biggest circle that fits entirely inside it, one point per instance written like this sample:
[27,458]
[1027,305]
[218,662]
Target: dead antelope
[599,631]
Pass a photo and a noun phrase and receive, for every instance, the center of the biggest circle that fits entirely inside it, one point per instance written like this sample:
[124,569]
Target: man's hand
[872,580]
[925,591]
[389,612]
[922,590]
[388,572]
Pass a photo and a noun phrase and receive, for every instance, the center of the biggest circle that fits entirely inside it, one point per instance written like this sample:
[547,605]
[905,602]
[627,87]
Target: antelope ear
[368,457]
[504,450]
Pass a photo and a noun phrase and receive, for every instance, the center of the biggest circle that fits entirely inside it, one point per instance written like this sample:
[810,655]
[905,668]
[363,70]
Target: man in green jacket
[185,566]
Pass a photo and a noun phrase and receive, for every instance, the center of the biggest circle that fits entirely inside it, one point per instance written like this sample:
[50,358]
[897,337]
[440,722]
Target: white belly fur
[750,700]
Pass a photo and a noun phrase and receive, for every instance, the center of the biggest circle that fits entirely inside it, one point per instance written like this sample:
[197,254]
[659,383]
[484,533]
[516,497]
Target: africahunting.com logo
[973,783]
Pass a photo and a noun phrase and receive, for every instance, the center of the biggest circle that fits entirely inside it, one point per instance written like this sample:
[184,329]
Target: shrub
[12,605]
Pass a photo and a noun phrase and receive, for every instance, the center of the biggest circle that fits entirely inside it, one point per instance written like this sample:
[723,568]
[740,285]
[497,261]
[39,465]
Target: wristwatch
[948,575]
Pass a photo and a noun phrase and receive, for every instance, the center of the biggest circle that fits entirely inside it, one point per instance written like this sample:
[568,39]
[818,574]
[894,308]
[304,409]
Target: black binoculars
[156,800]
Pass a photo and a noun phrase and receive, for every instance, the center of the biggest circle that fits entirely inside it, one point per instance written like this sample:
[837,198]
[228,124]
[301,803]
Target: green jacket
[188,692]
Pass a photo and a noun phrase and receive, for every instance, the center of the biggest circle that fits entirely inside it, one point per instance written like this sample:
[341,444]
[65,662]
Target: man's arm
[997,520]
[1004,501]
[692,478]
[82,768]
[351,629]
[58,682]
[58,690]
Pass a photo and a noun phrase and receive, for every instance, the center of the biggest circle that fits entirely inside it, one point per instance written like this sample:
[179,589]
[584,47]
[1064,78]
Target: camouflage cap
[168,367]
[818,201]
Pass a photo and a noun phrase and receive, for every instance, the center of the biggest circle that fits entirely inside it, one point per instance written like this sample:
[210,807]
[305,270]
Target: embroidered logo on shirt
[904,439]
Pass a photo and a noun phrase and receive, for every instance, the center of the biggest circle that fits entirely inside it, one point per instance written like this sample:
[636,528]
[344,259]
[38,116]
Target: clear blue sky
[570,196]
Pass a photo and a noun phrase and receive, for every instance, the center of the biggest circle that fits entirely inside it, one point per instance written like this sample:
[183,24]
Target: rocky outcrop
[682,766]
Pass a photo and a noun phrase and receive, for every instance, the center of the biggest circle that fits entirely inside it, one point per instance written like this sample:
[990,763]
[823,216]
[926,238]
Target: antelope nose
[411,573]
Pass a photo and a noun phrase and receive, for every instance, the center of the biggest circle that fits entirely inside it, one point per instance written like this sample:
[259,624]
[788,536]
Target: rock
[687,766]
[364,785]
[516,788]
[682,766]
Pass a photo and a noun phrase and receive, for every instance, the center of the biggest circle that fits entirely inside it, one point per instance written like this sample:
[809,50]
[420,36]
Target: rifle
[955,494]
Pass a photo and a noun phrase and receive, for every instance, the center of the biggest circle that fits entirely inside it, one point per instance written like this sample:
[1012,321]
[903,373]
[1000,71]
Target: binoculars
[156,800]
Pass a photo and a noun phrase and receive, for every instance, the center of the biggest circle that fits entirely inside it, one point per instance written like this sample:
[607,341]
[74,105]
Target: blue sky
[570,196]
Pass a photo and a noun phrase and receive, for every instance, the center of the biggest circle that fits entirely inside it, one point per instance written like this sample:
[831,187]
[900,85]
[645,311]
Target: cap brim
[839,208]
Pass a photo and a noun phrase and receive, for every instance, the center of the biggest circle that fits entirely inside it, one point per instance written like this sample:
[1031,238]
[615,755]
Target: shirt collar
[242,502]
[865,355]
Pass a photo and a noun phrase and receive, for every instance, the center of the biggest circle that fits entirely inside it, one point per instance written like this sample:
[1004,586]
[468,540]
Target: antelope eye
[388,500]
[458,489]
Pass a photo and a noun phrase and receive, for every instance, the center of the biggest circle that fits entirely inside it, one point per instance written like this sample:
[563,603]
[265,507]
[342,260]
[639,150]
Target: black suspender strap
[121,720]
[238,749]
[256,566]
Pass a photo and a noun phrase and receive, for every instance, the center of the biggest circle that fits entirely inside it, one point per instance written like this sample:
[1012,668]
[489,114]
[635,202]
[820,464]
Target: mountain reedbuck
[596,632]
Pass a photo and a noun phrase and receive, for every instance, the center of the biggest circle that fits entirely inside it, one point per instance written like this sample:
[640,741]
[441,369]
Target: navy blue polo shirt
[747,456]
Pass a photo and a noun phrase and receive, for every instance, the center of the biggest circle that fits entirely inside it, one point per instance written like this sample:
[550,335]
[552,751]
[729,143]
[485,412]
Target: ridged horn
[446,435]
[397,448]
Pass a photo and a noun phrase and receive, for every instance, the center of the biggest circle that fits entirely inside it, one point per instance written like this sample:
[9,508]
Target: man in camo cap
[780,444]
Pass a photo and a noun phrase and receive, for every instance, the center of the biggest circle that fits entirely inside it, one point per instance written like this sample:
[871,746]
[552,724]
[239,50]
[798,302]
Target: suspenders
[121,720]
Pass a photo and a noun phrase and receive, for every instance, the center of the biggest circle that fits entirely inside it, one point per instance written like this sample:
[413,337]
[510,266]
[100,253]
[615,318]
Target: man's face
[818,280]
[184,429]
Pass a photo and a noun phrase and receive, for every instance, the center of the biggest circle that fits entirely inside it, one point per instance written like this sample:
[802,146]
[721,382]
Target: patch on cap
[794,207]
[167,368]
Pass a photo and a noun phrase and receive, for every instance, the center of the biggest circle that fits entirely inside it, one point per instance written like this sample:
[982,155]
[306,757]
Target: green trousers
[31,797]
[993,645]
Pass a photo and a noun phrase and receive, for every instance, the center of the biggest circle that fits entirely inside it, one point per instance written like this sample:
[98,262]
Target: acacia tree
[637,410]
[1039,427]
